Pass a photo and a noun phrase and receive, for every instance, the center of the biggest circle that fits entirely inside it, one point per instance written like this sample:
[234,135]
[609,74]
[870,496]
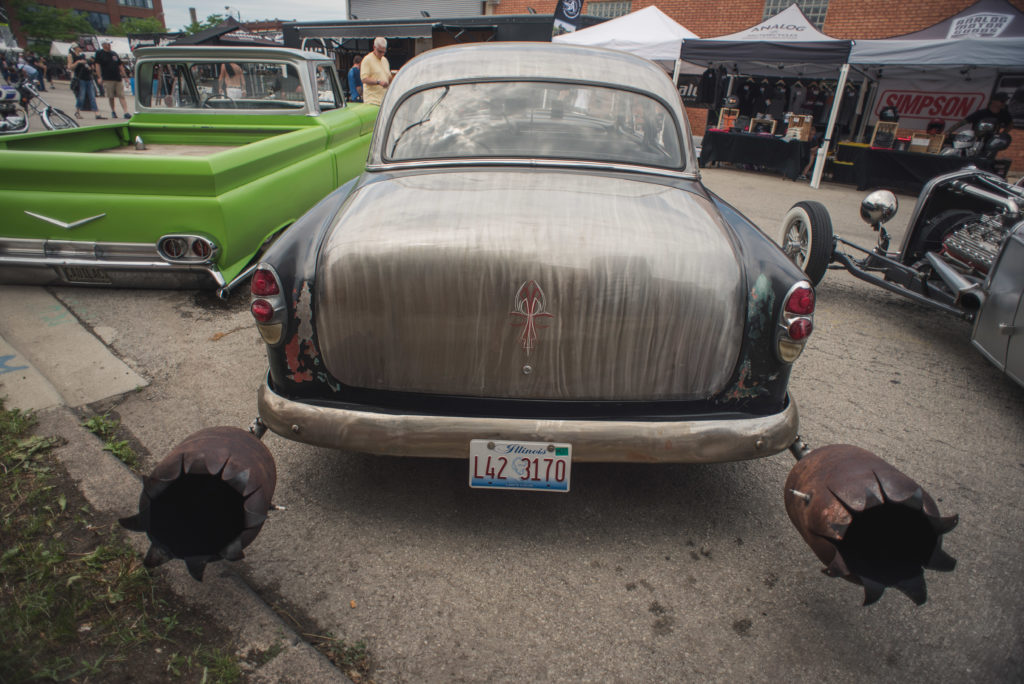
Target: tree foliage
[137,25]
[210,22]
[43,24]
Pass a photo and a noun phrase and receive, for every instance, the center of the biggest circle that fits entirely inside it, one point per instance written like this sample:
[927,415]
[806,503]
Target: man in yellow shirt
[375,72]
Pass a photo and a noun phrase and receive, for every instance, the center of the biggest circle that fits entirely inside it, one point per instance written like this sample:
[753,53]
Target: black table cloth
[905,171]
[787,157]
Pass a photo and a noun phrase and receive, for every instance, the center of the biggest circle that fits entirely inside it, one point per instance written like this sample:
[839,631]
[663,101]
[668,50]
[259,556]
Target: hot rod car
[529,275]
[963,253]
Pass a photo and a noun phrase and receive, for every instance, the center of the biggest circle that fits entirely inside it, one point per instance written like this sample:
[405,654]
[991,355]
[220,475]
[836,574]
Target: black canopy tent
[783,45]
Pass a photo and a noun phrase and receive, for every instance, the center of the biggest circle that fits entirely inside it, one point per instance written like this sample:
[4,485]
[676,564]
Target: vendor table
[903,171]
[787,157]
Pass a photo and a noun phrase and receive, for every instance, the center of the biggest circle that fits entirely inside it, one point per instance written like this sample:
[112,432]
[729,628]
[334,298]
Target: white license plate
[501,464]
[85,274]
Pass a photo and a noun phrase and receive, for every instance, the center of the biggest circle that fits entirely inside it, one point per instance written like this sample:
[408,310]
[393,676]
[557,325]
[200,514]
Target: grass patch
[352,659]
[107,429]
[75,601]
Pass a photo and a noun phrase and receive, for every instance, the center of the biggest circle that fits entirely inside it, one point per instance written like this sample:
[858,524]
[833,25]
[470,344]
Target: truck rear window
[220,85]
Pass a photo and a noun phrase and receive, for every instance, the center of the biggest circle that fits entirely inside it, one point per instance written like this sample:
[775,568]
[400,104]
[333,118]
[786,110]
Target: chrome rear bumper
[111,264]
[693,441]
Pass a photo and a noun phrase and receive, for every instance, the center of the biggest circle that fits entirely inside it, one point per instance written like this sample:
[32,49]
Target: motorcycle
[17,104]
[981,140]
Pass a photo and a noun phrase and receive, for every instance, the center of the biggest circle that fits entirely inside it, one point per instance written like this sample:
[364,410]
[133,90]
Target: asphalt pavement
[641,573]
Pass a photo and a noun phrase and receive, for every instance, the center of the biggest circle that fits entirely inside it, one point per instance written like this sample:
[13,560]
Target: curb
[111,488]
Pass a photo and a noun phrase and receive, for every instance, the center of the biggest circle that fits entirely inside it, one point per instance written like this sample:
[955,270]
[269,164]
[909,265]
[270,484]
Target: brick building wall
[853,19]
[112,8]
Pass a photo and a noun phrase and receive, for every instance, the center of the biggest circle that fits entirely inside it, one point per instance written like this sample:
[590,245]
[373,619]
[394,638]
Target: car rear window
[535,120]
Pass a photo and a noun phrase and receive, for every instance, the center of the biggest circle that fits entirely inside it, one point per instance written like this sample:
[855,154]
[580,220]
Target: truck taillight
[796,322]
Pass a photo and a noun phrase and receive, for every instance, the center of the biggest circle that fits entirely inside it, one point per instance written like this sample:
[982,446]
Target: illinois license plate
[85,274]
[539,466]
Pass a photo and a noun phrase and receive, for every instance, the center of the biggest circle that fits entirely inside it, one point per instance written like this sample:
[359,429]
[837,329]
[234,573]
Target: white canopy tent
[60,49]
[649,33]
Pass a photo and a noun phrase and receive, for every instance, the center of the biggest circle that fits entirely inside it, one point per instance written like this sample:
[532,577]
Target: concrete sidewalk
[59,95]
[52,364]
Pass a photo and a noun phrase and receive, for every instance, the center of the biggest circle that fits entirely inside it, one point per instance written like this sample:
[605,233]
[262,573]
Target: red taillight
[263,284]
[175,247]
[262,311]
[801,301]
[800,329]
[201,248]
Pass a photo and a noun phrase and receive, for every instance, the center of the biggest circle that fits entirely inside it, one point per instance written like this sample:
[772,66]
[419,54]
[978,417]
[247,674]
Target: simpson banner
[567,16]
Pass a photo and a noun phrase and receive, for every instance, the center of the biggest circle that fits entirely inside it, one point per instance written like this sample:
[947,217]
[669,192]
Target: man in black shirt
[996,110]
[110,68]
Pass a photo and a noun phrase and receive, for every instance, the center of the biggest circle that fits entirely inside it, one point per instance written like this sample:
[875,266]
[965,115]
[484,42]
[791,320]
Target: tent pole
[819,163]
[675,72]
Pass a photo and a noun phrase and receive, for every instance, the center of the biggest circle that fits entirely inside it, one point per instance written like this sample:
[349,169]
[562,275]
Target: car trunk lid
[553,285]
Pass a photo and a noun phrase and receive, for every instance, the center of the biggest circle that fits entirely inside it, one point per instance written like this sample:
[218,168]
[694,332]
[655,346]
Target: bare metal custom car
[962,253]
[530,275]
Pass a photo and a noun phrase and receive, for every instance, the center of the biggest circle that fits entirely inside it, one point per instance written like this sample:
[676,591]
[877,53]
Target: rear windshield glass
[536,120]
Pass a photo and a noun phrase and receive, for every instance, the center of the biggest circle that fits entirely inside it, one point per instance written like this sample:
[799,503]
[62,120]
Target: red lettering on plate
[501,473]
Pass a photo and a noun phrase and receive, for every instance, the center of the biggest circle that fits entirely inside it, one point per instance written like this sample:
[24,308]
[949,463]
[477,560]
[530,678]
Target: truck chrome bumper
[112,264]
[396,434]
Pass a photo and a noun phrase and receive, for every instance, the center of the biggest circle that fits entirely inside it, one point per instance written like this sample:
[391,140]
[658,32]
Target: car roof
[525,60]
[491,61]
[223,53]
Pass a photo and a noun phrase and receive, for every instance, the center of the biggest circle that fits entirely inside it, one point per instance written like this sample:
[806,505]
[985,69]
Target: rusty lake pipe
[207,500]
[867,521]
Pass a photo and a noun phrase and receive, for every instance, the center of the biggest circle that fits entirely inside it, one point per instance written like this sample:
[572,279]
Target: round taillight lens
[263,284]
[262,311]
[201,248]
[175,248]
[800,329]
[801,302]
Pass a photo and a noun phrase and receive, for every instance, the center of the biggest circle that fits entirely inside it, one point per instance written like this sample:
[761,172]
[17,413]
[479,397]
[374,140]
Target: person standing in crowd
[355,82]
[111,75]
[85,88]
[375,73]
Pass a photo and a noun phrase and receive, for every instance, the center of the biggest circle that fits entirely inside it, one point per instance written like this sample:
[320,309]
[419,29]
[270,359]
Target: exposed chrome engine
[976,244]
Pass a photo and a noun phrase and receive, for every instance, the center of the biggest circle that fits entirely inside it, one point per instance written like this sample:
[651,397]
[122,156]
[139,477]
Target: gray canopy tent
[988,33]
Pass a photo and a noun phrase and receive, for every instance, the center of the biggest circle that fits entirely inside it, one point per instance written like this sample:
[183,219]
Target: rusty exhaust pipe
[866,521]
[207,500]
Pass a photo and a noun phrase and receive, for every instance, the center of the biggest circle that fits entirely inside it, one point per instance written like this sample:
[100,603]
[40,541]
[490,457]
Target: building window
[608,10]
[144,4]
[98,20]
[814,9]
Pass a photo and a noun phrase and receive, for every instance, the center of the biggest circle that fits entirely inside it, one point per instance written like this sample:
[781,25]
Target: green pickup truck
[228,146]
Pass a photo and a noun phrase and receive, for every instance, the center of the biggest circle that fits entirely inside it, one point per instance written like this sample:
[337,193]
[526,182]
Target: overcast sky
[176,15]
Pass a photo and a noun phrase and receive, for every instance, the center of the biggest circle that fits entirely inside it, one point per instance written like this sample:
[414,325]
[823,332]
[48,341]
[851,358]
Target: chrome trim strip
[693,441]
[61,224]
[532,163]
